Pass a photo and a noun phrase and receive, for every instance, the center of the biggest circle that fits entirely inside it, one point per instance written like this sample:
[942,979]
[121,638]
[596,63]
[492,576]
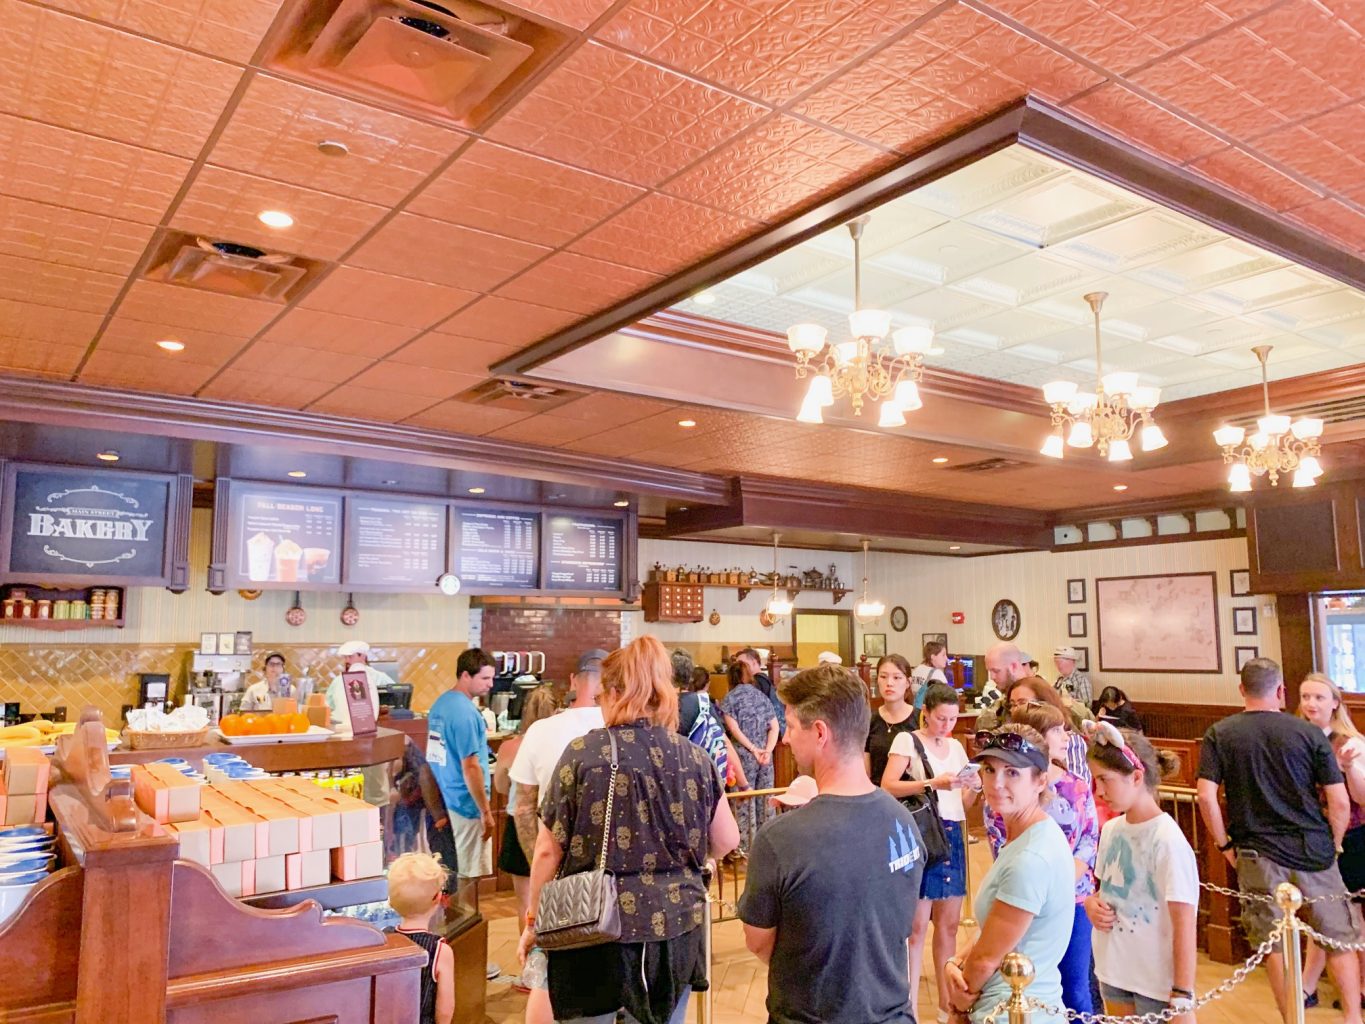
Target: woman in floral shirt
[1072,806]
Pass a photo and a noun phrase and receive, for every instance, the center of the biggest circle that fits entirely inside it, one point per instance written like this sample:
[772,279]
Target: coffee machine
[215,682]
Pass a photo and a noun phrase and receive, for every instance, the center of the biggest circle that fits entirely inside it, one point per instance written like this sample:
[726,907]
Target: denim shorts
[949,879]
[1140,1003]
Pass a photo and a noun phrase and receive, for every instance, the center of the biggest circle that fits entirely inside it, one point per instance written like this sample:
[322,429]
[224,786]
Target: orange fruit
[248,723]
[261,726]
[230,725]
[298,723]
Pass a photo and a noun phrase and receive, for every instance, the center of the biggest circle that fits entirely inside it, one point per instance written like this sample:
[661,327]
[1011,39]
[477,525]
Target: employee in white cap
[355,654]
[1071,682]
[828,658]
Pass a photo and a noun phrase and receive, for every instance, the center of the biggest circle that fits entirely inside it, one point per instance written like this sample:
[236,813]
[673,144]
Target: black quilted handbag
[581,910]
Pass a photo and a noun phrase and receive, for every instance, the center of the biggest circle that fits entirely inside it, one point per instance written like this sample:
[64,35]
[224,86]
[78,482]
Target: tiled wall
[42,677]
[562,633]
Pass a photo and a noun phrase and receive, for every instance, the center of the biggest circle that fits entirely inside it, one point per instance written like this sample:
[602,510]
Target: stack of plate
[27,856]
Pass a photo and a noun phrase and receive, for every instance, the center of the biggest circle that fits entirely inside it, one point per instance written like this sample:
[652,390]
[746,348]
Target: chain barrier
[1265,897]
[1333,944]
[991,1017]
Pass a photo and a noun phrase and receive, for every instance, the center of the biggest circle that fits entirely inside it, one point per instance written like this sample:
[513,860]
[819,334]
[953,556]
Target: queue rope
[1265,897]
[1332,944]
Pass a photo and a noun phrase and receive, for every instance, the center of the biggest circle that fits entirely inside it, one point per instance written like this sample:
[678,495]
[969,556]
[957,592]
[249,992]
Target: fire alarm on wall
[959,618]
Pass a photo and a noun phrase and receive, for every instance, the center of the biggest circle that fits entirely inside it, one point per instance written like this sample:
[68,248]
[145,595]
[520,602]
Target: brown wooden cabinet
[674,602]
[1301,541]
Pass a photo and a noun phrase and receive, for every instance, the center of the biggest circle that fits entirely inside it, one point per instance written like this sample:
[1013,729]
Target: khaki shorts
[1257,873]
[473,852]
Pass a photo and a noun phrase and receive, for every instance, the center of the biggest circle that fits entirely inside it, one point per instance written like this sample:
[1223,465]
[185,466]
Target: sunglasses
[1011,741]
[1026,704]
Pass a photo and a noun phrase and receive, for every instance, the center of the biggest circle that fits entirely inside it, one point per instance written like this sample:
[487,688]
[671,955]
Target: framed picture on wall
[1082,658]
[1240,582]
[1244,621]
[1241,655]
[1075,591]
[1161,623]
[1075,624]
[874,645]
[931,638]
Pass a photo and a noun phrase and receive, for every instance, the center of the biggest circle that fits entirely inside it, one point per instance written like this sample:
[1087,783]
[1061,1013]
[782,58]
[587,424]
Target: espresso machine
[216,683]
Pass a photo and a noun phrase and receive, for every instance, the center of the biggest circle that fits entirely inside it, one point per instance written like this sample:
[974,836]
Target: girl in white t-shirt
[944,885]
[1143,910]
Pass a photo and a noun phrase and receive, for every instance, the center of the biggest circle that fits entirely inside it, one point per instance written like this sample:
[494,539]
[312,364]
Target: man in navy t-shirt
[832,886]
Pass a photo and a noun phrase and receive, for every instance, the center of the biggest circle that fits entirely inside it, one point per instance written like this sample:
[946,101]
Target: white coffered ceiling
[997,255]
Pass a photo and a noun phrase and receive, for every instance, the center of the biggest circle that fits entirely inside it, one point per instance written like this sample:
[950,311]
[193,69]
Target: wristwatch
[1226,846]
[1182,1004]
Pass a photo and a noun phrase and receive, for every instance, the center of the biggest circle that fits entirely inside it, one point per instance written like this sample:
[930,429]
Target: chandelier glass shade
[877,364]
[779,605]
[1276,446]
[1106,419]
[868,610]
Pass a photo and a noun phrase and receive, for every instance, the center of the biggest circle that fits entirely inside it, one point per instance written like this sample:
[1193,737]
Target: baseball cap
[1014,750]
[828,658]
[801,792]
[1069,653]
[353,647]
[591,661]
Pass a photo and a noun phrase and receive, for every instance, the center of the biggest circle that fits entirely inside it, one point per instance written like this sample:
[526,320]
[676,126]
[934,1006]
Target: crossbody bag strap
[928,771]
[611,797]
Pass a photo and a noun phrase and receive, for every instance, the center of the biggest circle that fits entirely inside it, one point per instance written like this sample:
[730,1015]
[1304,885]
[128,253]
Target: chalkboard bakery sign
[87,524]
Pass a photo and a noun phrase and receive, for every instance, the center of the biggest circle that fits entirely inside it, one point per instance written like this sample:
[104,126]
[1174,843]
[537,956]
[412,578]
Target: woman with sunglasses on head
[1025,901]
[1321,704]
[1144,911]
[930,758]
[1073,810]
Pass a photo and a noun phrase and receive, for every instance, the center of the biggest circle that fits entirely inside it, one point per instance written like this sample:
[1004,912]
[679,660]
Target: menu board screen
[399,544]
[285,535]
[585,553]
[499,550]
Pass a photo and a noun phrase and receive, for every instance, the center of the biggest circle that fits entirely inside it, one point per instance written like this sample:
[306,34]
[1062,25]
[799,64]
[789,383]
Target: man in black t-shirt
[832,886]
[1272,768]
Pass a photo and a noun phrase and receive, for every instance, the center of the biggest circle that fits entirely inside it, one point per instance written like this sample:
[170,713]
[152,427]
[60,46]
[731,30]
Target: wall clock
[1005,619]
[899,620]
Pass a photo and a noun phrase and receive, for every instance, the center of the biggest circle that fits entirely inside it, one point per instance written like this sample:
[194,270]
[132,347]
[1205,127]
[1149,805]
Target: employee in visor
[261,695]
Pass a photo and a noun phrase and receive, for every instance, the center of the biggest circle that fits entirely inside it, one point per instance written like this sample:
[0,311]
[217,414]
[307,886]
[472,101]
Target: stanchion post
[968,918]
[704,1006]
[1017,969]
[1290,900]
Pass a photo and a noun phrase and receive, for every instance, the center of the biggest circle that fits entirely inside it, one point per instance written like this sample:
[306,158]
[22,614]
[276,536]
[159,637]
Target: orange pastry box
[196,840]
[26,771]
[359,820]
[164,794]
[305,870]
[236,828]
[364,860]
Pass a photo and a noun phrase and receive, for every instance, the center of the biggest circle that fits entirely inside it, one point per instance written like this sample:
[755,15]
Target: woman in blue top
[1026,899]
[752,724]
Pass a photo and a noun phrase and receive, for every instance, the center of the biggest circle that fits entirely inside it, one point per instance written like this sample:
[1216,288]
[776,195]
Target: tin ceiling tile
[154,302]
[449,352]
[331,332]
[371,404]
[466,418]
[73,238]
[614,410]
[233,385]
[622,117]
[162,373]
[87,76]
[68,168]
[1243,173]
[397,300]
[46,325]
[50,360]
[231,29]
[548,429]
[662,234]
[223,204]
[54,284]
[139,338]
[415,380]
[1136,119]
[576,283]
[276,127]
[267,359]
[1334,219]
[577,14]
[506,322]
[509,193]
[448,254]
[1323,39]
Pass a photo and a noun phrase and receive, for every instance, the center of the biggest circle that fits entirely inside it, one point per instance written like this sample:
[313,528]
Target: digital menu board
[285,535]
[395,544]
[498,550]
[584,553]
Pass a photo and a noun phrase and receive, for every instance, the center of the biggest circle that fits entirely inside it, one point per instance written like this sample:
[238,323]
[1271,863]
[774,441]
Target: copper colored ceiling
[664,131]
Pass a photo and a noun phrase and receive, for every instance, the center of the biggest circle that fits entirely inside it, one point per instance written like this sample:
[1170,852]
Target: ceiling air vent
[995,465]
[1336,410]
[229,268]
[454,59]
[515,394]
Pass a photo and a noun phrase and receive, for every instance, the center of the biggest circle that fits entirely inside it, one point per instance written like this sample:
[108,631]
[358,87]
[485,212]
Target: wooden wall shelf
[64,625]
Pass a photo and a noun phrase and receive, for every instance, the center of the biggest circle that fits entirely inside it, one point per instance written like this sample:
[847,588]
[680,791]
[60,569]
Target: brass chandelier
[1276,447]
[867,367]
[1107,419]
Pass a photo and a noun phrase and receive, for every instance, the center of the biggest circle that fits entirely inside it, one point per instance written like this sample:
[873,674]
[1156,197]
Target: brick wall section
[562,633]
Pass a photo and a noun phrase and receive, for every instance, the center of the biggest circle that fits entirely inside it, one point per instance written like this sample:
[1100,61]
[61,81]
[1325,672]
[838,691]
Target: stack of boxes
[23,794]
[265,835]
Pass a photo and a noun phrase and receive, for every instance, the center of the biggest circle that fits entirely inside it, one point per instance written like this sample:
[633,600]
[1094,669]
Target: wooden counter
[385,745]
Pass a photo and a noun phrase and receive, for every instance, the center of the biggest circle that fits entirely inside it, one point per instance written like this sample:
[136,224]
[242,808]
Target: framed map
[1159,623]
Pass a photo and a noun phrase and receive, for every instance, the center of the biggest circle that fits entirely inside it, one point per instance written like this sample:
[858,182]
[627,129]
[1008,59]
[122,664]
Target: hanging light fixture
[779,607]
[1276,447]
[867,611]
[1107,419]
[866,368]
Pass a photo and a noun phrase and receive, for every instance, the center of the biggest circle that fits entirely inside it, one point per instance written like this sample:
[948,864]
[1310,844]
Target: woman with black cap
[260,695]
[1025,901]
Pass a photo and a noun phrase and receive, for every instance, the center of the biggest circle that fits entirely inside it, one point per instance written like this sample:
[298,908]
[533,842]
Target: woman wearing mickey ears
[1144,910]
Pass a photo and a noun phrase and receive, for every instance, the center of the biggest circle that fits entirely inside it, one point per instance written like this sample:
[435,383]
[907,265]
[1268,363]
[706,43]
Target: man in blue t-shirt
[457,751]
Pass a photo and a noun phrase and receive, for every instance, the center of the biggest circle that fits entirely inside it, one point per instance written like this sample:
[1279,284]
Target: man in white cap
[1071,682]
[355,654]
[828,658]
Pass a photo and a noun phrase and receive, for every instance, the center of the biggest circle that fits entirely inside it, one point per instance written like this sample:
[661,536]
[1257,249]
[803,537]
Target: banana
[19,732]
[22,741]
[43,726]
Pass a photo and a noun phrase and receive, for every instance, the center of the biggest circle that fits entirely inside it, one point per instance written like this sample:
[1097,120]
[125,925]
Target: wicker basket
[165,740]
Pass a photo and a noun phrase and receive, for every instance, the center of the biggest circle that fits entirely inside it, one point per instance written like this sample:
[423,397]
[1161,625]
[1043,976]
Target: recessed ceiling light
[621,504]
[1120,487]
[108,456]
[389,483]
[954,547]
[330,147]
[297,474]
[704,298]
[275,219]
[171,345]
[685,424]
[476,490]
[682,508]
[940,459]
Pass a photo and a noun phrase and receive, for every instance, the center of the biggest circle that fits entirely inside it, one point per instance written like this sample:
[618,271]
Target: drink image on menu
[260,555]
[315,562]
[288,556]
